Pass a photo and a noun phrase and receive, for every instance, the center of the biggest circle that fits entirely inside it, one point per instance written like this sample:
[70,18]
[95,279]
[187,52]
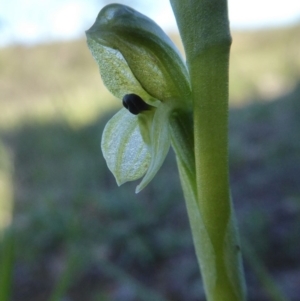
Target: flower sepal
[137,41]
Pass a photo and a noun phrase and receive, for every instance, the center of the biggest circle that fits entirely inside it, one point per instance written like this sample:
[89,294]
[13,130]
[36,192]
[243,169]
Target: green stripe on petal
[126,154]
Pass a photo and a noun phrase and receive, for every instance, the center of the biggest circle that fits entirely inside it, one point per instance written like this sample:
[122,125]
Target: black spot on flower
[135,104]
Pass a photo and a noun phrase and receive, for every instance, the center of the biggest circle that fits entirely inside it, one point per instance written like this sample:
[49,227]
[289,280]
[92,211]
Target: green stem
[204,29]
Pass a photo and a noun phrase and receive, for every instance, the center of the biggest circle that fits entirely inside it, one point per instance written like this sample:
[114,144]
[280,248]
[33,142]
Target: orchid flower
[167,102]
[140,65]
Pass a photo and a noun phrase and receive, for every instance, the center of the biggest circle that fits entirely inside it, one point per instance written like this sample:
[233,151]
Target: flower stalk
[204,29]
[168,102]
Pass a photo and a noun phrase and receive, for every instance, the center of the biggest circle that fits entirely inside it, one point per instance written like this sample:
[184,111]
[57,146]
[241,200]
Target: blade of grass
[267,282]
[66,278]
[6,265]
[143,292]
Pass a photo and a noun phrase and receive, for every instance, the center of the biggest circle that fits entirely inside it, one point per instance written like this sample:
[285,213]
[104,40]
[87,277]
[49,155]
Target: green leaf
[150,54]
[124,150]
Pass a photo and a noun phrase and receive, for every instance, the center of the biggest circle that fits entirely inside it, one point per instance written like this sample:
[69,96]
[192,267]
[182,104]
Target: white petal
[126,154]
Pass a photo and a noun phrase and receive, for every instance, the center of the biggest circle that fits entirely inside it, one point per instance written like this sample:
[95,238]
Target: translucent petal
[115,72]
[126,154]
[160,144]
[150,54]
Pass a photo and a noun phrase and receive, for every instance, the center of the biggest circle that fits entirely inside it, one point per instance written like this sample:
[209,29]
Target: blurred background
[77,236]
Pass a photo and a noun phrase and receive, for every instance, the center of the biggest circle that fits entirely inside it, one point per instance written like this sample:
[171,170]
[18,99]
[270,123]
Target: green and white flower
[136,57]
